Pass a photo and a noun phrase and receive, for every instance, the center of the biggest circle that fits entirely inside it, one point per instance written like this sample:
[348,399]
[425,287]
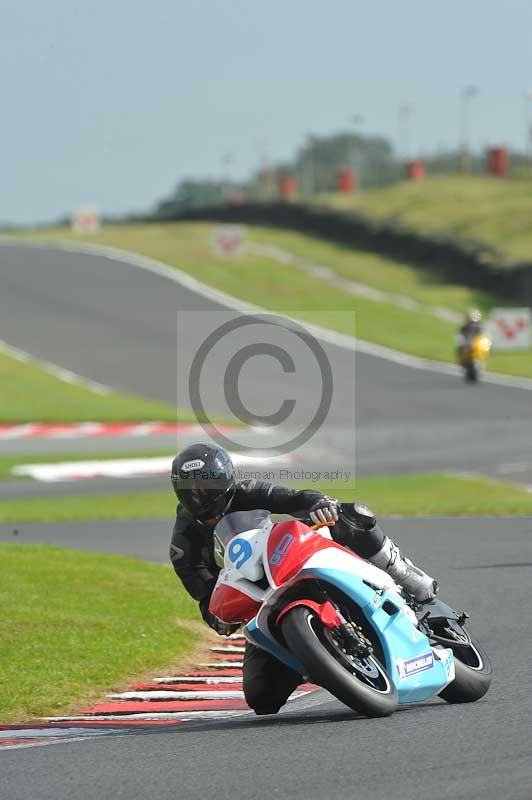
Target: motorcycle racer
[205,484]
[473,346]
[471,326]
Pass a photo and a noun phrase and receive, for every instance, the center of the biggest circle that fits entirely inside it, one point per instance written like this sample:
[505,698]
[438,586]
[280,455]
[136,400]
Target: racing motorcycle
[338,620]
[473,356]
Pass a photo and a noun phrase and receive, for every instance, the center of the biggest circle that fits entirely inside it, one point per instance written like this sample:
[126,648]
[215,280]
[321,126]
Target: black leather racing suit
[267,683]
[471,329]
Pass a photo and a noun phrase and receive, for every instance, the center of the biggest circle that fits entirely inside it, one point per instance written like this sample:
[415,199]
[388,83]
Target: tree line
[316,166]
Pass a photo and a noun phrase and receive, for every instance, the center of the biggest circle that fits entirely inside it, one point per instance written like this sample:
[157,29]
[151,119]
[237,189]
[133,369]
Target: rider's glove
[325,510]
[221,628]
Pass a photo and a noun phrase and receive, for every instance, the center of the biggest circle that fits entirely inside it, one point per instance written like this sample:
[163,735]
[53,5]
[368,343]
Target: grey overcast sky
[113,102]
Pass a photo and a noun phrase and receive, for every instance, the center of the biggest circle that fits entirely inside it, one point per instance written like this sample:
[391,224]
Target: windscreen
[238,522]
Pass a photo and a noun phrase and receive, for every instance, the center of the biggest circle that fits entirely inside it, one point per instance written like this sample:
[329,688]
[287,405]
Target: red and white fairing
[274,555]
[236,597]
[233,603]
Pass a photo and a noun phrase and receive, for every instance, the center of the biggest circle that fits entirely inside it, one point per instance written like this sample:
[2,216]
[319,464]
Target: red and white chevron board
[213,690]
[82,430]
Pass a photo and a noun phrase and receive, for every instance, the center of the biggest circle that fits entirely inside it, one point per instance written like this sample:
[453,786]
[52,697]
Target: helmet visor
[206,503]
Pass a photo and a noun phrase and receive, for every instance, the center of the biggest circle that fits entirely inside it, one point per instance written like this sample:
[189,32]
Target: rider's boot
[403,571]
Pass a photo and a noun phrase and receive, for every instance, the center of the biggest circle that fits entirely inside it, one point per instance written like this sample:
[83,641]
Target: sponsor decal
[413,666]
[281,549]
[190,466]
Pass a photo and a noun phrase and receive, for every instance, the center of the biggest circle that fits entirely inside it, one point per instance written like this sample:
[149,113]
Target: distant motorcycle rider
[205,484]
[472,326]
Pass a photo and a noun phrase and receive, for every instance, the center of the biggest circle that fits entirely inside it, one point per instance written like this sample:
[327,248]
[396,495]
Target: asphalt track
[118,325]
[318,749]
[124,326]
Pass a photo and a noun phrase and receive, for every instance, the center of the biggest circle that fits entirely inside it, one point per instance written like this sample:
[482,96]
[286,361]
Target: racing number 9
[239,551]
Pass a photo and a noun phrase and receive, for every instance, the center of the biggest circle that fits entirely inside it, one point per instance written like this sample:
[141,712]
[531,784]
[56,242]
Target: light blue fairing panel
[410,661]
[415,669]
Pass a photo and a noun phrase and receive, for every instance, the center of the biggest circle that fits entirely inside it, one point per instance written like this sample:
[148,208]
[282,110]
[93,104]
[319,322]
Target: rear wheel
[357,679]
[473,672]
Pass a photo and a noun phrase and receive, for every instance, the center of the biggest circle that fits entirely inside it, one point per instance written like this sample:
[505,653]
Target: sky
[111,102]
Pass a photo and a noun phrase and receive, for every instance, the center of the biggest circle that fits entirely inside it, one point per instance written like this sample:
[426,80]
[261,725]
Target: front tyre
[473,674]
[471,372]
[360,682]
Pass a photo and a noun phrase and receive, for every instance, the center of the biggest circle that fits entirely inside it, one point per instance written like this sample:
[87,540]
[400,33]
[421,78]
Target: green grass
[410,495]
[394,277]
[497,211]
[446,495]
[8,462]
[275,286]
[28,393]
[122,505]
[74,625]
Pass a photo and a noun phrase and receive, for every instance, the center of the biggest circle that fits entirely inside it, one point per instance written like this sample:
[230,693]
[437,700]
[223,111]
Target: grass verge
[409,495]
[273,285]
[126,505]
[440,494]
[390,276]
[75,624]
[29,393]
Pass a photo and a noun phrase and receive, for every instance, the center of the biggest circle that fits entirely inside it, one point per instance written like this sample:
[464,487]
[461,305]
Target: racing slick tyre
[471,372]
[473,674]
[360,682]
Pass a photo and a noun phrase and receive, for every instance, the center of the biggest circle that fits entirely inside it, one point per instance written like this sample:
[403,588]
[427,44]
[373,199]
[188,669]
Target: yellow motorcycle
[473,356]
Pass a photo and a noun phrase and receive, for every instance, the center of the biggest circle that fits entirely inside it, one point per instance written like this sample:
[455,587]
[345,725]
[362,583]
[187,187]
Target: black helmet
[203,478]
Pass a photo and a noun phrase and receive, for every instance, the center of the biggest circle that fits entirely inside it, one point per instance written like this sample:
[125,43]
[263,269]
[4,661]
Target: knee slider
[256,694]
[264,711]
[262,697]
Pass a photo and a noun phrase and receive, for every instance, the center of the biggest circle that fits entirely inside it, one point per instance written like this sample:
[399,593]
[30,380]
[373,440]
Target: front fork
[345,633]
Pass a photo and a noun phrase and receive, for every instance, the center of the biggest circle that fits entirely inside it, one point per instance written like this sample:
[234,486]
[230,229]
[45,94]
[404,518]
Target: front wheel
[472,673]
[361,682]
[472,372]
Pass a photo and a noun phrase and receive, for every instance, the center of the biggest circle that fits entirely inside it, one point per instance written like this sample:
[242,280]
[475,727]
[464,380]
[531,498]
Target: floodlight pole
[353,161]
[227,159]
[528,128]
[404,117]
[466,96]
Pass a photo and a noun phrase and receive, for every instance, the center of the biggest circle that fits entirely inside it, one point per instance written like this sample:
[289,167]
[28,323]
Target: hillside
[495,211]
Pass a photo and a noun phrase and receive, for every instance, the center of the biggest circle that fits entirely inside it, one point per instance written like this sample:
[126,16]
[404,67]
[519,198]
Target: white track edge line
[179,695]
[169,715]
[63,374]
[196,680]
[45,742]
